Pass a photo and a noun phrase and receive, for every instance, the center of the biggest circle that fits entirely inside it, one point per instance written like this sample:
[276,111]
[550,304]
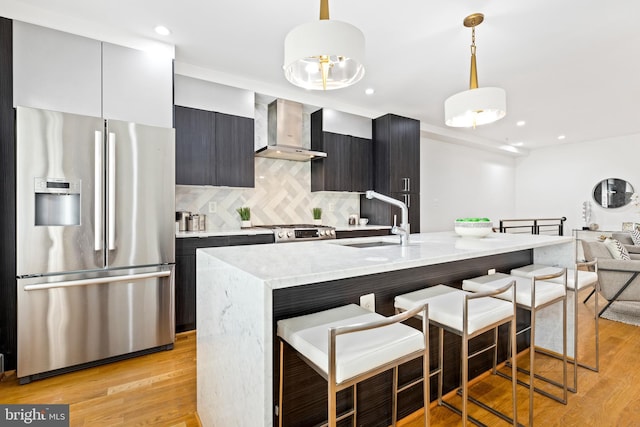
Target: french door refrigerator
[95,251]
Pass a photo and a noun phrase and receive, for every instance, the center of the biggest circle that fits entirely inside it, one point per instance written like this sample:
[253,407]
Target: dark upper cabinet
[348,165]
[361,163]
[234,151]
[396,154]
[195,130]
[213,148]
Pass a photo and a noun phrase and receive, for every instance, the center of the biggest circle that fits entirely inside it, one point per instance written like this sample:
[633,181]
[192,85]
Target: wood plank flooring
[153,390]
[160,389]
[610,398]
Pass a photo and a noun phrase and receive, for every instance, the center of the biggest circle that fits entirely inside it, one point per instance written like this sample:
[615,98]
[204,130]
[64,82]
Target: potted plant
[245,216]
[317,216]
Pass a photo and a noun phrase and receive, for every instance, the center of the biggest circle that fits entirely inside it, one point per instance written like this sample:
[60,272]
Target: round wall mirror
[612,193]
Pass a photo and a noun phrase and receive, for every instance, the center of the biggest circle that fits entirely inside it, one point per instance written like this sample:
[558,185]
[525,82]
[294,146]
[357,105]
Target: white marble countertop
[292,264]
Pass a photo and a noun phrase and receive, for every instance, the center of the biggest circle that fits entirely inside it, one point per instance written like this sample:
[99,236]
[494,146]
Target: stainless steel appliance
[284,130]
[95,239]
[300,232]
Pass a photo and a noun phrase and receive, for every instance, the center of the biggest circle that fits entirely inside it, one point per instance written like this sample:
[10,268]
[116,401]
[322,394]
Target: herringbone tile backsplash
[282,195]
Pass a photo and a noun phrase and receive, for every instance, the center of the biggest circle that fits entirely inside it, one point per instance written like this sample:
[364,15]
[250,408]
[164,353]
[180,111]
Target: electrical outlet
[332,207]
[368,301]
[491,271]
[213,207]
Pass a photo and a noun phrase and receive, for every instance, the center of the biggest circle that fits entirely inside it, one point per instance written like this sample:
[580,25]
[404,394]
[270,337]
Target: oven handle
[101,280]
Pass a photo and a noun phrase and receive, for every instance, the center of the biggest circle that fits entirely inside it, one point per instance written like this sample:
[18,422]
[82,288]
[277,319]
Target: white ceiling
[569,67]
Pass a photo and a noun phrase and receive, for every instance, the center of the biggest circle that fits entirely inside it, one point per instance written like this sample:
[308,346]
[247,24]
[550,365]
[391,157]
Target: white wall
[458,181]
[556,181]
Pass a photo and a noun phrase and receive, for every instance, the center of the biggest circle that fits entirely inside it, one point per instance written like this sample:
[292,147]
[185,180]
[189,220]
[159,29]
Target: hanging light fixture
[324,55]
[476,106]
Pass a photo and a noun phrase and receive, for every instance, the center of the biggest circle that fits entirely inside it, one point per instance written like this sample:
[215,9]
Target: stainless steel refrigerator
[95,240]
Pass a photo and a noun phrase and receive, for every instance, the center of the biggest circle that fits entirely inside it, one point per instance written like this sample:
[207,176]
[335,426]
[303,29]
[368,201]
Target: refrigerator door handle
[111,188]
[97,281]
[98,228]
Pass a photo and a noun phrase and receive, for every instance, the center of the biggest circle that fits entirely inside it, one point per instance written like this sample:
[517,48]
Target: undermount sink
[371,244]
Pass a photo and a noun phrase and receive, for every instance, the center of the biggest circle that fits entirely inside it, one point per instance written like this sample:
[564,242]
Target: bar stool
[577,280]
[467,315]
[349,344]
[532,295]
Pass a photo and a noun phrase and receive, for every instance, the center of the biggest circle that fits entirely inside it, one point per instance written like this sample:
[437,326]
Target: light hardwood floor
[157,389]
[160,389]
[610,398]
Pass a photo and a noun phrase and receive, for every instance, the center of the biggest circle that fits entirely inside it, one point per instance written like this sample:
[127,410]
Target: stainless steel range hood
[285,133]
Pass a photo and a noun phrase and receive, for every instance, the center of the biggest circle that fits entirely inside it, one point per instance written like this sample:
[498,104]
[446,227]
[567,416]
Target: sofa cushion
[635,236]
[617,250]
[593,250]
[623,237]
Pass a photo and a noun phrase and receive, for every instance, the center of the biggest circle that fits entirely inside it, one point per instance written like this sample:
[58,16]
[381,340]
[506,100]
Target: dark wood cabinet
[348,165]
[234,151]
[194,146]
[8,288]
[213,148]
[396,170]
[361,164]
[396,154]
[185,271]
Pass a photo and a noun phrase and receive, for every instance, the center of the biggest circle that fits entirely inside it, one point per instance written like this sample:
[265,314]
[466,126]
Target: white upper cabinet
[205,95]
[56,71]
[59,71]
[137,86]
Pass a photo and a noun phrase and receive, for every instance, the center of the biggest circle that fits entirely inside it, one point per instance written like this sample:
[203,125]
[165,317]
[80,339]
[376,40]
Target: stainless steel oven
[285,233]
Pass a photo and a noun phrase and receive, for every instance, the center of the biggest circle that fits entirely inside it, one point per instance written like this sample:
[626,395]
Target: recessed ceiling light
[521,123]
[162,30]
[369,91]
[561,137]
[509,148]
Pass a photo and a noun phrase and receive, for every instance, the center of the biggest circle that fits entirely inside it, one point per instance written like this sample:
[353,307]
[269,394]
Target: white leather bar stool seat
[356,353]
[445,308]
[532,294]
[546,291]
[585,278]
[349,344]
[448,309]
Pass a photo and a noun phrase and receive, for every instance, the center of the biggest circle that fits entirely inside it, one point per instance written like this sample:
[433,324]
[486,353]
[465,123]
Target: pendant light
[476,106]
[325,54]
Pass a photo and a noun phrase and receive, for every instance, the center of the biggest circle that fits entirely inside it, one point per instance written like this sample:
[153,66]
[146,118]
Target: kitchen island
[243,291]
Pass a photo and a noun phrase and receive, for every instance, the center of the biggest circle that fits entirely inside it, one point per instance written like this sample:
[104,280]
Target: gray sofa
[619,280]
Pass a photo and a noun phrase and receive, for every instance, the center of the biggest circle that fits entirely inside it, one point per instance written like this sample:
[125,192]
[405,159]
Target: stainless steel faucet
[404,230]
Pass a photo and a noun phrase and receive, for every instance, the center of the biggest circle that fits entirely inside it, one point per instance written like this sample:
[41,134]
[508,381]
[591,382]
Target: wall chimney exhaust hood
[284,124]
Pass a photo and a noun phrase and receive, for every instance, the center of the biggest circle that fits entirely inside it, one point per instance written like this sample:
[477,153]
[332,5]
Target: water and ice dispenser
[57,201]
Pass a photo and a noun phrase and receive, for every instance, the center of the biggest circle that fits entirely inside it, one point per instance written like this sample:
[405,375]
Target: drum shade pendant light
[476,106]
[324,55]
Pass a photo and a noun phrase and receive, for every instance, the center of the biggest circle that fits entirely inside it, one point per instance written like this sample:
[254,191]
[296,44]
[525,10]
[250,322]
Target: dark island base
[305,391]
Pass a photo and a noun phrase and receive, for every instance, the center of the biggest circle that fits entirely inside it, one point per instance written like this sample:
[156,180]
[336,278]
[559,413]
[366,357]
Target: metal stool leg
[281,387]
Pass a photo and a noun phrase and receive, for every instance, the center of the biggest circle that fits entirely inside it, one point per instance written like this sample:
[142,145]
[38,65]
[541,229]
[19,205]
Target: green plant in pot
[317,215]
[245,216]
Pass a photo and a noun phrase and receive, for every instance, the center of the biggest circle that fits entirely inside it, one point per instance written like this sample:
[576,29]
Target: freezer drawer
[69,320]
